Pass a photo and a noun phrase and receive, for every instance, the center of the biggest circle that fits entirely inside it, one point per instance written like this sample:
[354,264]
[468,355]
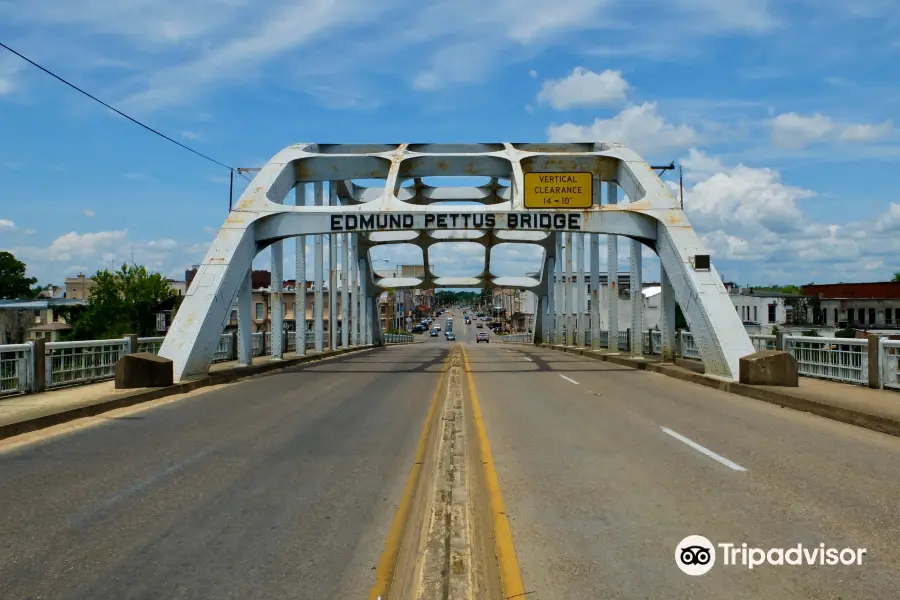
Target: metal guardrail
[763,342]
[82,362]
[150,344]
[890,364]
[398,338]
[839,359]
[15,368]
[518,338]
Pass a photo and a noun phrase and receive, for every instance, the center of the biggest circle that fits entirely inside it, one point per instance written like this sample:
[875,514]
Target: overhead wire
[119,112]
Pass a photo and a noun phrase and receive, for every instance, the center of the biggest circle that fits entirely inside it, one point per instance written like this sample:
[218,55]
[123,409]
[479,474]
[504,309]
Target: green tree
[896,276]
[120,303]
[13,282]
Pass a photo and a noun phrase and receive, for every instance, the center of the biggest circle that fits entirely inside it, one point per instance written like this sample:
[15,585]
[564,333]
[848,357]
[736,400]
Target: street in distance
[559,190]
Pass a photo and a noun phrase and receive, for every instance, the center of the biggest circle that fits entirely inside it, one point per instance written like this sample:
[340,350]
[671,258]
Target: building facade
[872,305]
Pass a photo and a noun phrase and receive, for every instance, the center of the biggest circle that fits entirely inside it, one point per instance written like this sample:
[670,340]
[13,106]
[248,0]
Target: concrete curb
[147,395]
[879,423]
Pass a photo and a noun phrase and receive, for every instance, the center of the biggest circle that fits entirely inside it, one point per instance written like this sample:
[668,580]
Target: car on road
[479,325]
[451,337]
[437,328]
[418,329]
[482,337]
[434,332]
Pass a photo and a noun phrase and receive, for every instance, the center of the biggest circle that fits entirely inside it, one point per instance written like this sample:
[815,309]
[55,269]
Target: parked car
[418,329]
[482,336]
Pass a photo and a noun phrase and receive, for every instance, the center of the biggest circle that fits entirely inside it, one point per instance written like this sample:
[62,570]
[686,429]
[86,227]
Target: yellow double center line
[510,576]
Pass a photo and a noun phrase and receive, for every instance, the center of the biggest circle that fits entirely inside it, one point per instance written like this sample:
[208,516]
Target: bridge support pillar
[365,331]
[550,321]
[668,313]
[560,300]
[277,298]
[612,274]
[539,328]
[351,289]
[595,291]
[570,296]
[345,290]
[333,315]
[319,275]
[300,277]
[580,293]
[245,320]
[637,299]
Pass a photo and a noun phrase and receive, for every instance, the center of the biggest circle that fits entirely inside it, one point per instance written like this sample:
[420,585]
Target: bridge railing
[68,363]
[16,364]
[517,338]
[840,359]
[398,338]
[890,363]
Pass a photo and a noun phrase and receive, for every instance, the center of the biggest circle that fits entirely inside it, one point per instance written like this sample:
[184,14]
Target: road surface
[285,486]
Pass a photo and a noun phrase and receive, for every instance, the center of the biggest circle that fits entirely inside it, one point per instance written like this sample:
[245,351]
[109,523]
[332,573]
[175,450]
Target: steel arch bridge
[407,210]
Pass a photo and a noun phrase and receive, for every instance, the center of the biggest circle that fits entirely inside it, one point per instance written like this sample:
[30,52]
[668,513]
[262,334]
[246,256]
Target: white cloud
[9,69]
[792,130]
[533,74]
[748,16]
[88,252]
[749,215]
[639,127]
[189,135]
[584,88]
[7,225]
[88,213]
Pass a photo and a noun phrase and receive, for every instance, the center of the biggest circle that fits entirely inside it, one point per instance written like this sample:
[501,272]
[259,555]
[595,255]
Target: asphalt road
[285,486]
[282,486]
[598,494]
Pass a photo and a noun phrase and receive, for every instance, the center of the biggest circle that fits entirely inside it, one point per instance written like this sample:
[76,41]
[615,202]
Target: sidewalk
[29,412]
[874,409]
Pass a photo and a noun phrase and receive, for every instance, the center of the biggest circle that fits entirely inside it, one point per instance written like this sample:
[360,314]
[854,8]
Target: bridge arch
[492,213]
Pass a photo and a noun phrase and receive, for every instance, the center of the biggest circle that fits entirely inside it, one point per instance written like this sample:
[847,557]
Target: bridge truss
[629,201]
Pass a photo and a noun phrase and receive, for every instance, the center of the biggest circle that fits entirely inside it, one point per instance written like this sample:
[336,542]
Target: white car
[482,337]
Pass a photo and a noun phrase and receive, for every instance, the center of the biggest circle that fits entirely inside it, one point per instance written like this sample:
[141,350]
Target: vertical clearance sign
[559,190]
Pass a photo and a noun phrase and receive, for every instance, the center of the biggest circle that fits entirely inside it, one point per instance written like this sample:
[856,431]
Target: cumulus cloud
[640,127]
[792,130]
[751,216]
[88,213]
[7,225]
[584,88]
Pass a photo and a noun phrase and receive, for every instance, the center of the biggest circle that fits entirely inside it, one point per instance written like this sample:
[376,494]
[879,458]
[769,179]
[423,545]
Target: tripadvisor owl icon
[695,555]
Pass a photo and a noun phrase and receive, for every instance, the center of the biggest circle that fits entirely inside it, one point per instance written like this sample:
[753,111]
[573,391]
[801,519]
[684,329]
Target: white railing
[840,359]
[223,350]
[398,338]
[150,344]
[82,362]
[890,363]
[763,342]
[519,338]
[688,348]
[15,368]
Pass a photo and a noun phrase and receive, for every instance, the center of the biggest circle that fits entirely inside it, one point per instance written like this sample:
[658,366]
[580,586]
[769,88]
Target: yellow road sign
[558,190]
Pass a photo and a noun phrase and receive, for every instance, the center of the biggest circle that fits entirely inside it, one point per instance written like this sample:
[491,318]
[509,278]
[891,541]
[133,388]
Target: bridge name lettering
[530,221]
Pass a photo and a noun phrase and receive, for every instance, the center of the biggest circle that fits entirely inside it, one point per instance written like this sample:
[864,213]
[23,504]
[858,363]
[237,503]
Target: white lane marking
[730,464]
[528,359]
[568,378]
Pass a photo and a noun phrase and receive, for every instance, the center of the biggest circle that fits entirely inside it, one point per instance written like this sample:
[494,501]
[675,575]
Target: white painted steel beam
[419,214]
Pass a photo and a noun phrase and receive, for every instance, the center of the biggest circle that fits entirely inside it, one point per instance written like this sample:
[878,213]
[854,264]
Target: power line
[115,110]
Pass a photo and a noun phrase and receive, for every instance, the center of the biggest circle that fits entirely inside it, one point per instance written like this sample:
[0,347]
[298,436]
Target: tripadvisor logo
[696,555]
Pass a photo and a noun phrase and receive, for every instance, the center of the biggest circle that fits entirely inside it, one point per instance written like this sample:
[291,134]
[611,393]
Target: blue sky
[784,115]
